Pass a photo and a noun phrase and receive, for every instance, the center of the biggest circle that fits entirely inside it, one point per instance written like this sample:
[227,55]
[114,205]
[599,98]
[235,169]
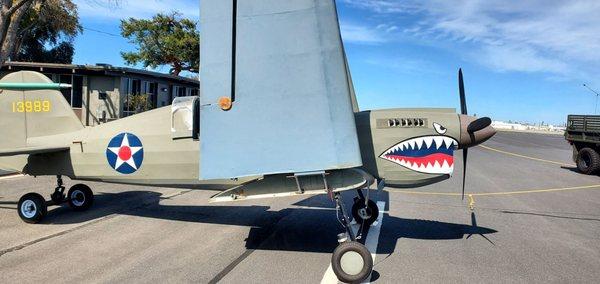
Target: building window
[136,87]
[152,91]
[126,93]
[135,92]
[195,92]
[77,92]
[125,86]
[179,91]
[74,95]
[66,79]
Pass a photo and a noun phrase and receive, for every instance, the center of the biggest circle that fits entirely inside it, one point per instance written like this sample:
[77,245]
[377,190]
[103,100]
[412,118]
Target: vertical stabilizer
[28,110]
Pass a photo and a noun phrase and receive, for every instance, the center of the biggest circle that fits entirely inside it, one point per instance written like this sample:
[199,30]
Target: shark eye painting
[439,128]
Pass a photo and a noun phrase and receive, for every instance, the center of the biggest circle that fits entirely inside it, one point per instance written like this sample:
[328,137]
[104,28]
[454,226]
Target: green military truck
[583,133]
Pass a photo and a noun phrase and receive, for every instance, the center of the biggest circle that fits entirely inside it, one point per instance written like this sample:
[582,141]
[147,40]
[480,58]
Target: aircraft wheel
[32,208]
[352,262]
[588,161]
[365,215]
[80,197]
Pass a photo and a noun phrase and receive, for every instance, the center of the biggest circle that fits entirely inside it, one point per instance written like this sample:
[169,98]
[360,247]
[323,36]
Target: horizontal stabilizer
[33,86]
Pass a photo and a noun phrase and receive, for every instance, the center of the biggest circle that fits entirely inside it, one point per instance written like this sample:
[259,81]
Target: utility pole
[597,95]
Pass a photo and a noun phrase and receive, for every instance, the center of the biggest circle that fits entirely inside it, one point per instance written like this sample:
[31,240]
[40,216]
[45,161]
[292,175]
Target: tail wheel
[32,208]
[80,197]
[365,214]
[352,262]
[588,161]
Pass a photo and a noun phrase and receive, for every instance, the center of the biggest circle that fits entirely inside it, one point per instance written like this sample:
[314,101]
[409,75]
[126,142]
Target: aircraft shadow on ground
[8,204]
[292,229]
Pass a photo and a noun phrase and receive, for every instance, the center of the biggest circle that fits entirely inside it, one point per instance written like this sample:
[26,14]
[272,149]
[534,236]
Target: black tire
[32,208]
[365,215]
[80,197]
[588,161]
[346,259]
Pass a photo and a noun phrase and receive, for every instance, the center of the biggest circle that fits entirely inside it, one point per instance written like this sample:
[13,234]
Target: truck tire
[588,161]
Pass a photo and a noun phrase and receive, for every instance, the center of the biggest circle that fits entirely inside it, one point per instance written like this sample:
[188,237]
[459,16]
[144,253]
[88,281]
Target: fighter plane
[277,116]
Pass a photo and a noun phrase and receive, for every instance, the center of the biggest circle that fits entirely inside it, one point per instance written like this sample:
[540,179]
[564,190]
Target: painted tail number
[31,106]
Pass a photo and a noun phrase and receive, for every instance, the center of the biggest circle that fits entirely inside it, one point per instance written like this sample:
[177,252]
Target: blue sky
[523,61]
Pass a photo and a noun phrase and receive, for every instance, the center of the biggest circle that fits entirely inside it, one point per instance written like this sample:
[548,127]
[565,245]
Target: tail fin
[28,110]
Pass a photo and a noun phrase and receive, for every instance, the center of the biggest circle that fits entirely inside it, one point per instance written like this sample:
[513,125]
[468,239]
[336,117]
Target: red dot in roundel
[125,153]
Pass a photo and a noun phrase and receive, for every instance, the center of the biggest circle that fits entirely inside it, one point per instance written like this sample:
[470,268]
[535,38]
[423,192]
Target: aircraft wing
[297,184]
[282,65]
[32,150]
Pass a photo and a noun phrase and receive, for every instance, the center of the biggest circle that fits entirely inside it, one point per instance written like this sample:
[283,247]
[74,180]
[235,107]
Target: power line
[101,32]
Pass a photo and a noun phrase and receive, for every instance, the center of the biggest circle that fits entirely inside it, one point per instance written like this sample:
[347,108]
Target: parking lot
[533,218]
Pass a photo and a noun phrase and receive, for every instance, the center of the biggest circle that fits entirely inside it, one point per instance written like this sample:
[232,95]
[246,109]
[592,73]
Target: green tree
[12,14]
[47,32]
[166,39]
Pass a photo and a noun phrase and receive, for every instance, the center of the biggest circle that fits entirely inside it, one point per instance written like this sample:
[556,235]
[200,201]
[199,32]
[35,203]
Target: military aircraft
[277,116]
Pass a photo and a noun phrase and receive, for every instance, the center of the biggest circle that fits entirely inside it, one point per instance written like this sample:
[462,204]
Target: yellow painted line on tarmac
[525,157]
[583,187]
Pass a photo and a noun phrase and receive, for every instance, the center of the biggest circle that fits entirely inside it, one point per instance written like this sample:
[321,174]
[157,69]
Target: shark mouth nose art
[426,154]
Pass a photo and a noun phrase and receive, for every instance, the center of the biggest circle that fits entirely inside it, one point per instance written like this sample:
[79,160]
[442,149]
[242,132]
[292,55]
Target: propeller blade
[465,154]
[461,91]
[479,124]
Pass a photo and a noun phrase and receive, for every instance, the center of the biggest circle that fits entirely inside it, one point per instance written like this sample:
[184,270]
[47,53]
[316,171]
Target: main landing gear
[351,261]
[33,207]
[364,210]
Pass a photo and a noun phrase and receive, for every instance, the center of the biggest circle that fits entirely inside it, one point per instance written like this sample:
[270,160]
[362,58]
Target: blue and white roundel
[125,153]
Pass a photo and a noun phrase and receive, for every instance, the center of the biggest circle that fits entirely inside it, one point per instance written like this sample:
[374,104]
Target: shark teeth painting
[425,154]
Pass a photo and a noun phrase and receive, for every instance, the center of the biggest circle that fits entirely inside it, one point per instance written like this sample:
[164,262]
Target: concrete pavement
[141,234]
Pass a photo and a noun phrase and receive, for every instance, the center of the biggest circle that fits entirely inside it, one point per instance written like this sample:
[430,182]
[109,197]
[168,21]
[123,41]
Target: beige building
[103,92]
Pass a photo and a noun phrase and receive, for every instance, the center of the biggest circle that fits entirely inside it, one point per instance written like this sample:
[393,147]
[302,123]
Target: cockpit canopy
[183,118]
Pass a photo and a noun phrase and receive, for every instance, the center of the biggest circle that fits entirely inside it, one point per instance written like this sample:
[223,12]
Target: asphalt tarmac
[141,234]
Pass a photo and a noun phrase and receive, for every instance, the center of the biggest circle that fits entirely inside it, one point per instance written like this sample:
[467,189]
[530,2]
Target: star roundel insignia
[125,153]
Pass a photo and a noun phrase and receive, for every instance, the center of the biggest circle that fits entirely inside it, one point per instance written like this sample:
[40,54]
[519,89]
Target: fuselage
[171,156]
[169,159]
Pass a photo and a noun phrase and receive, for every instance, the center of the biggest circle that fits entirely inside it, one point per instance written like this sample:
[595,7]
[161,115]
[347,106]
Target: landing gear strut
[364,210]
[351,261]
[58,196]
[33,207]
